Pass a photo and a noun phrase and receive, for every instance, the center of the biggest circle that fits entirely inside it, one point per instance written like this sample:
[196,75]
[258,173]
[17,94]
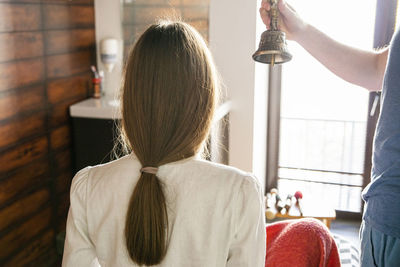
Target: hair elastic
[151,170]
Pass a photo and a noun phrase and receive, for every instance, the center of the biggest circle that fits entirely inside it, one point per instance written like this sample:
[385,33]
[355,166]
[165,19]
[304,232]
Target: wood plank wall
[46,49]
[138,14]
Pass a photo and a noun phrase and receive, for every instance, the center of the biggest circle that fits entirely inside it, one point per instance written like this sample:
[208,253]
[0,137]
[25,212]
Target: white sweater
[216,215]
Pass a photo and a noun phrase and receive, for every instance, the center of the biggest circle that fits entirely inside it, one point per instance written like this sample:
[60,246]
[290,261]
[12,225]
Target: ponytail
[147,221]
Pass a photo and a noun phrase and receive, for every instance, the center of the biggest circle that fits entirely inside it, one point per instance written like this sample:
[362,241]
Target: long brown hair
[168,101]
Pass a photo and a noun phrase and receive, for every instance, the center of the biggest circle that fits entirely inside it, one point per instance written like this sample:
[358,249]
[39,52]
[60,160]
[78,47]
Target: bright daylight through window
[323,118]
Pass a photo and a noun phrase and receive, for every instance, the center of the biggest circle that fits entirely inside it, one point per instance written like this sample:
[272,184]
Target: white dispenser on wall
[109,53]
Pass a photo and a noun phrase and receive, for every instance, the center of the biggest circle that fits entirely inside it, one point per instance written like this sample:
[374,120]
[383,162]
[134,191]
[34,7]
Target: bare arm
[360,67]
[363,68]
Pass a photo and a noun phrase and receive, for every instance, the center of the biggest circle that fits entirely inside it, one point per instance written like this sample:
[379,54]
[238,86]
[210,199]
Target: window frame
[385,21]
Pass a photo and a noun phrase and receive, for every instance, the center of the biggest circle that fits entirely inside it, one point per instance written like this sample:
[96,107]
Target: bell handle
[274,15]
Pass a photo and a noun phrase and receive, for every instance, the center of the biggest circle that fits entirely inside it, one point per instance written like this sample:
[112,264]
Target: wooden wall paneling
[63,160]
[23,179]
[46,49]
[63,182]
[68,88]
[65,65]
[131,35]
[61,225]
[62,211]
[24,233]
[147,2]
[59,114]
[195,13]
[60,137]
[68,16]
[195,2]
[201,26]
[63,206]
[19,17]
[50,258]
[22,208]
[61,41]
[30,254]
[20,45]
[18,130]
[127,48]
[21,73]
[21,1]
[138,15]
[174,2]
[128,14]
[147,15]
[23,154]
[128,34]
[70,2]
[139,30]
[17,102]
[47,259]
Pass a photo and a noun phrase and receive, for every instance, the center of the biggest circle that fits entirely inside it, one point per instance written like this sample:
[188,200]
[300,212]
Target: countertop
[108,108]
[96,108]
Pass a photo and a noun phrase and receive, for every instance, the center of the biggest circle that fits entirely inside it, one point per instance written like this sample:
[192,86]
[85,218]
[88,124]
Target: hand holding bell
[273,48]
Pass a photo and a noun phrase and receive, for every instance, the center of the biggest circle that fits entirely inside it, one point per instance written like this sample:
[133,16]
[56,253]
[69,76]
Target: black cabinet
[93,141]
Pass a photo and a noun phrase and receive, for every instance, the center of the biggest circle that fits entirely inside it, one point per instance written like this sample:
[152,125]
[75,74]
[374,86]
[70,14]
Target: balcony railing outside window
[323,158]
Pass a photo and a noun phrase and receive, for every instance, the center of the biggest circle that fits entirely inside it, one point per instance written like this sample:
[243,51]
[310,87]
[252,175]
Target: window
[324,121]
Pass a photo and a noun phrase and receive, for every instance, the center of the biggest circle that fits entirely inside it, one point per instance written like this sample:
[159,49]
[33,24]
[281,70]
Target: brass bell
[273,48]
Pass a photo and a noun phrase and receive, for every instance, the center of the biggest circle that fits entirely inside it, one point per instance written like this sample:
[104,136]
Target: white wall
[234,34]
[108,25]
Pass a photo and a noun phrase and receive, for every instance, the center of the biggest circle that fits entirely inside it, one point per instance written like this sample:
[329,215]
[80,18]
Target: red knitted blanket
[300,243]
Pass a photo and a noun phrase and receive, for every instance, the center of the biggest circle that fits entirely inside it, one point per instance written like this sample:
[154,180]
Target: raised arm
[360,67]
